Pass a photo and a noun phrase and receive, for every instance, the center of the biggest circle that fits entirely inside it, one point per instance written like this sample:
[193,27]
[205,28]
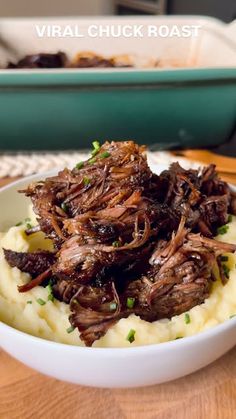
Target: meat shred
[122,233]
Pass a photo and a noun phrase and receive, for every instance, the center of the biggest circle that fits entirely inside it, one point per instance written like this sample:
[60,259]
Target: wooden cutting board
[209,393]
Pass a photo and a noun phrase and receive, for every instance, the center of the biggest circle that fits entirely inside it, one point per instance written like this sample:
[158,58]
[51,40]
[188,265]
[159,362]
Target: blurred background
[46,118]
[225,10]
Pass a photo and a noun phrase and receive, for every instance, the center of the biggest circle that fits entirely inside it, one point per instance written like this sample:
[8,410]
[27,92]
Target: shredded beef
[121,232]
[42,60]
[90,60]
[31,263]
[201,197]
[60,60]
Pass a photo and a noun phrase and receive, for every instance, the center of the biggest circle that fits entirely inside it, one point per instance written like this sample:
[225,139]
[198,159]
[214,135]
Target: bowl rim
[135,350]
[185,342]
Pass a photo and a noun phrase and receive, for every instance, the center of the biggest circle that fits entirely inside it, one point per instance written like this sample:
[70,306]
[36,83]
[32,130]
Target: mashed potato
[50,321]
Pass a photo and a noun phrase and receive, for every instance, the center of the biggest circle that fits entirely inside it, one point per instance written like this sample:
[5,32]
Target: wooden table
[209,393]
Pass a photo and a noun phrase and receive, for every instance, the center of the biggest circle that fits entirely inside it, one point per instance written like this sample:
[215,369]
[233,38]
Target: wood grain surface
[209,393]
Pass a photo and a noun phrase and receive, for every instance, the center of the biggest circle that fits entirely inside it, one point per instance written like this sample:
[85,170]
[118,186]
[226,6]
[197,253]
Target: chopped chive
[230,218]
[116,244]
[64,207]
[86,180]
[226,270]
[19,224]
[187,318]
[233,315]
[104,155]
[224,258]
[179,337]
[92,161]
[70,329]
[223,229]
[130,302]
[28,226]
[51,282]
[50,293]
[79,165]
[29,302]
[113,306]
[131,336]
[96,147]
[41,302]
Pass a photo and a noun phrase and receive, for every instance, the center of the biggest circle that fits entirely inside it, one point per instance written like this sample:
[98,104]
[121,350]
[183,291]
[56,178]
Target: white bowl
[108,367]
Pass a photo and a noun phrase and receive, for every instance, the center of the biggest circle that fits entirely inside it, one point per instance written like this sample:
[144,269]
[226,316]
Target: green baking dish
[183,108]
[61,109]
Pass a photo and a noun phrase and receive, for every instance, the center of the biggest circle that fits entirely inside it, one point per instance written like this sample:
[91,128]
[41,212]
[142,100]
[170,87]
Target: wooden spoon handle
[228,177]
[224,164]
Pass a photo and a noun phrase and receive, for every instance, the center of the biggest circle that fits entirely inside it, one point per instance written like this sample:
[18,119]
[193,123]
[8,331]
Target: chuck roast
[179,278]
[43,60]
[121,232]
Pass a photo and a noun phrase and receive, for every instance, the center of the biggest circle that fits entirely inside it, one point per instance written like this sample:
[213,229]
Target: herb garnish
[96,147]
[230,218]
[29,302]
[131,336]
[86,180]
[64,207]
[70,329]
[50,293]
[104,155]
[226,270]
[79,165]
[41,302]
[113,306]
[116,244]
[223,229]
[130,302]
[92,161]
[187,318]
[26,221]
